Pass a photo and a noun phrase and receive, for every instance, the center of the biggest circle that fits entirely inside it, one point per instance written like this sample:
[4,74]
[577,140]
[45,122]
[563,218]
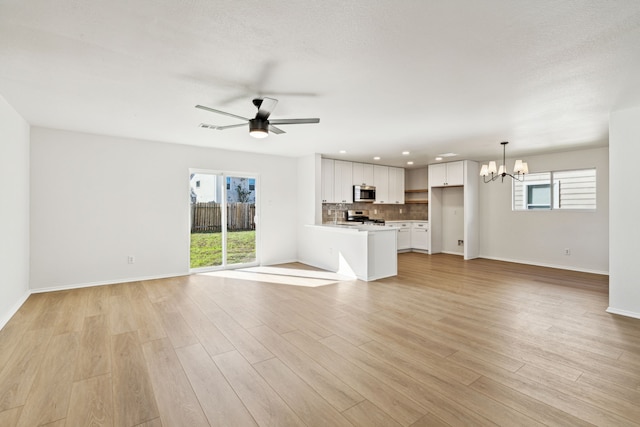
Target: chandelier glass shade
[490,172]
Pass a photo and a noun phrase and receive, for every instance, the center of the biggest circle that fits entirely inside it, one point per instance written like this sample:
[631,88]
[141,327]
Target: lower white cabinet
[404,239]
[411,235]
[420,235]
[404,234]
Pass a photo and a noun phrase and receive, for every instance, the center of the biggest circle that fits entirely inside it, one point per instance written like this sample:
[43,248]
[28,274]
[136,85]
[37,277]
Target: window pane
[576,189]
[538,196]
[532,193]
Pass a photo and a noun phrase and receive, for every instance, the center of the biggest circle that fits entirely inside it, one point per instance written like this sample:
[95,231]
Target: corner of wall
[14,210]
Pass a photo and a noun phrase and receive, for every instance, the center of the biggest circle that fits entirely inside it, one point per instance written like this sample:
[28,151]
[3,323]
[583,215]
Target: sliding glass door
[223,228]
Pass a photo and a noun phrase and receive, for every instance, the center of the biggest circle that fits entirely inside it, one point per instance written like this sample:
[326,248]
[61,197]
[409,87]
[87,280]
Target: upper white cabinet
[343,182]
[381,182]
[396,186]
[446,174]
[362,174]
[339,177]
[328,178]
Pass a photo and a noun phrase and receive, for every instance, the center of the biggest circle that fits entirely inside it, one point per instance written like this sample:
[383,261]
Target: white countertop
[410,221]
[355,227]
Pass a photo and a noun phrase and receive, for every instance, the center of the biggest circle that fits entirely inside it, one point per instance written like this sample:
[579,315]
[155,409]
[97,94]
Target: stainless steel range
[362,216]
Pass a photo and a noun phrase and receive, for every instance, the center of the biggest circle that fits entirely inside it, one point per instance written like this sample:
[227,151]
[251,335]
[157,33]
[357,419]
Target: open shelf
[419,200]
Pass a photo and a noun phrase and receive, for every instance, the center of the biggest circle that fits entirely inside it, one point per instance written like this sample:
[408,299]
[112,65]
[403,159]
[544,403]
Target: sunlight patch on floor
[283,276]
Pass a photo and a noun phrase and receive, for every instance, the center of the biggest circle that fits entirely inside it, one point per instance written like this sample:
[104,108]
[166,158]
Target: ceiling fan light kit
[520,169]
[259,126]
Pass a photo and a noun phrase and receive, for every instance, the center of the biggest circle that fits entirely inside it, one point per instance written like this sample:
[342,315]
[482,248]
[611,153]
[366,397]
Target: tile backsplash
[386,212]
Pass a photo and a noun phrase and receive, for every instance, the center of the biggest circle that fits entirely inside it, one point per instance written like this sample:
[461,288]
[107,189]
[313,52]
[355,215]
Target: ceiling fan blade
[216,127]
[208,126]
[275,130]
[293,121]
[266,107]
[202,107]
[230,126]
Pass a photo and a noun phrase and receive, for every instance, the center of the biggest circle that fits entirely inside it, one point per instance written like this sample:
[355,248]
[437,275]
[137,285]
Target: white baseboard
[623,312]
[541,264]
[14,309]
[272,263]
[103,283]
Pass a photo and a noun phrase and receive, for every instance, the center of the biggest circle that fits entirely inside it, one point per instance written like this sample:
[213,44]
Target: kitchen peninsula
[366,252]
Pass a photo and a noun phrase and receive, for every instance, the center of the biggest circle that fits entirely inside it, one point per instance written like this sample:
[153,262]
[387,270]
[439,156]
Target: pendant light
[520,169]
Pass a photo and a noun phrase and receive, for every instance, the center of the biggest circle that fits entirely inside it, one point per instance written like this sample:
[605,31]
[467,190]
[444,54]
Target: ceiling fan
[260,125]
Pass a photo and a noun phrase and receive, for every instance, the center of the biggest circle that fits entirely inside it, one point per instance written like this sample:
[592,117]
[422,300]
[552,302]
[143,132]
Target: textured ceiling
[384,76]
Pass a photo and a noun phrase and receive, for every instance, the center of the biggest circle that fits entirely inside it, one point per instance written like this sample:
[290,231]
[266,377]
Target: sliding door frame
[223,176]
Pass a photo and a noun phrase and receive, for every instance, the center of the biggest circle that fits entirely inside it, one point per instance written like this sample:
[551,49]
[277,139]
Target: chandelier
[519,170]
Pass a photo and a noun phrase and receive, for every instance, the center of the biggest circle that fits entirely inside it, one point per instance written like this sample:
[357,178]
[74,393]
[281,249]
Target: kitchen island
[366,252]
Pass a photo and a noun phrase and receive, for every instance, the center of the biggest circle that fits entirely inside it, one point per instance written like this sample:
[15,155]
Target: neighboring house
[205,188]
[241,190]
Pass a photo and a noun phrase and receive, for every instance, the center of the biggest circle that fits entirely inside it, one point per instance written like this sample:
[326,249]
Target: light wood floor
[447,342]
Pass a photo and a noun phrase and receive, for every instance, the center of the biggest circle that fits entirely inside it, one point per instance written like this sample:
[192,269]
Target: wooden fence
[207,217]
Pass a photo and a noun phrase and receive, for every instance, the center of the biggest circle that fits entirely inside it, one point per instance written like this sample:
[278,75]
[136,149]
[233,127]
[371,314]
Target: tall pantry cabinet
[446,182]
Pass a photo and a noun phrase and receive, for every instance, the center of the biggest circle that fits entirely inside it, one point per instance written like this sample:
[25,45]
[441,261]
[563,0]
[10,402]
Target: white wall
[624,232]
[539,237]
[309,203]
[416,179]
[452,219]
[97,199]
[14,211]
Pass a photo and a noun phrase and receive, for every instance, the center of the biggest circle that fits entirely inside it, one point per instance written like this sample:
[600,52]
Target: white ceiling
[384,76]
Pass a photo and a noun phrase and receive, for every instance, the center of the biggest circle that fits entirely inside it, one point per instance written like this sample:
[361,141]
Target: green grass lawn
[206,248]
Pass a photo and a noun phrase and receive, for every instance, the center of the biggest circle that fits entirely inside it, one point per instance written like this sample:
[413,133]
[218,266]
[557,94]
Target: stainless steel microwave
[364,194]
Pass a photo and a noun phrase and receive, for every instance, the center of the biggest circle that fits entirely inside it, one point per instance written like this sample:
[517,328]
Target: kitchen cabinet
[362,174]
[381,182]
[343,182]
[446,174]
[404,234]
[327,173]
[339,177]
[412,235]
[396,185]
[420,236]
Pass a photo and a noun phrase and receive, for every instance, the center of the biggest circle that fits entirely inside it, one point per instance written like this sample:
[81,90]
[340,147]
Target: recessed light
[376,158]
[409,163]
[342,151]
[405,153]
[438,158]
[447,155]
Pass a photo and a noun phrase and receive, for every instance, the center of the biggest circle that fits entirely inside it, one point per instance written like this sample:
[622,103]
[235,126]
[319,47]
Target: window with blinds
[559,190]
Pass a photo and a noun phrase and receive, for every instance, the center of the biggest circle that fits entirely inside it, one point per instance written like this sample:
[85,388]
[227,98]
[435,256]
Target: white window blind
[576,189]
[571,190]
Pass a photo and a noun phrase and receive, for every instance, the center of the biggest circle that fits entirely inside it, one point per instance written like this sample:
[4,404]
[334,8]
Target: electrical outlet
[400,210]
[567,251]
[375,211]
[131,259]
[329,212]
[460,242]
